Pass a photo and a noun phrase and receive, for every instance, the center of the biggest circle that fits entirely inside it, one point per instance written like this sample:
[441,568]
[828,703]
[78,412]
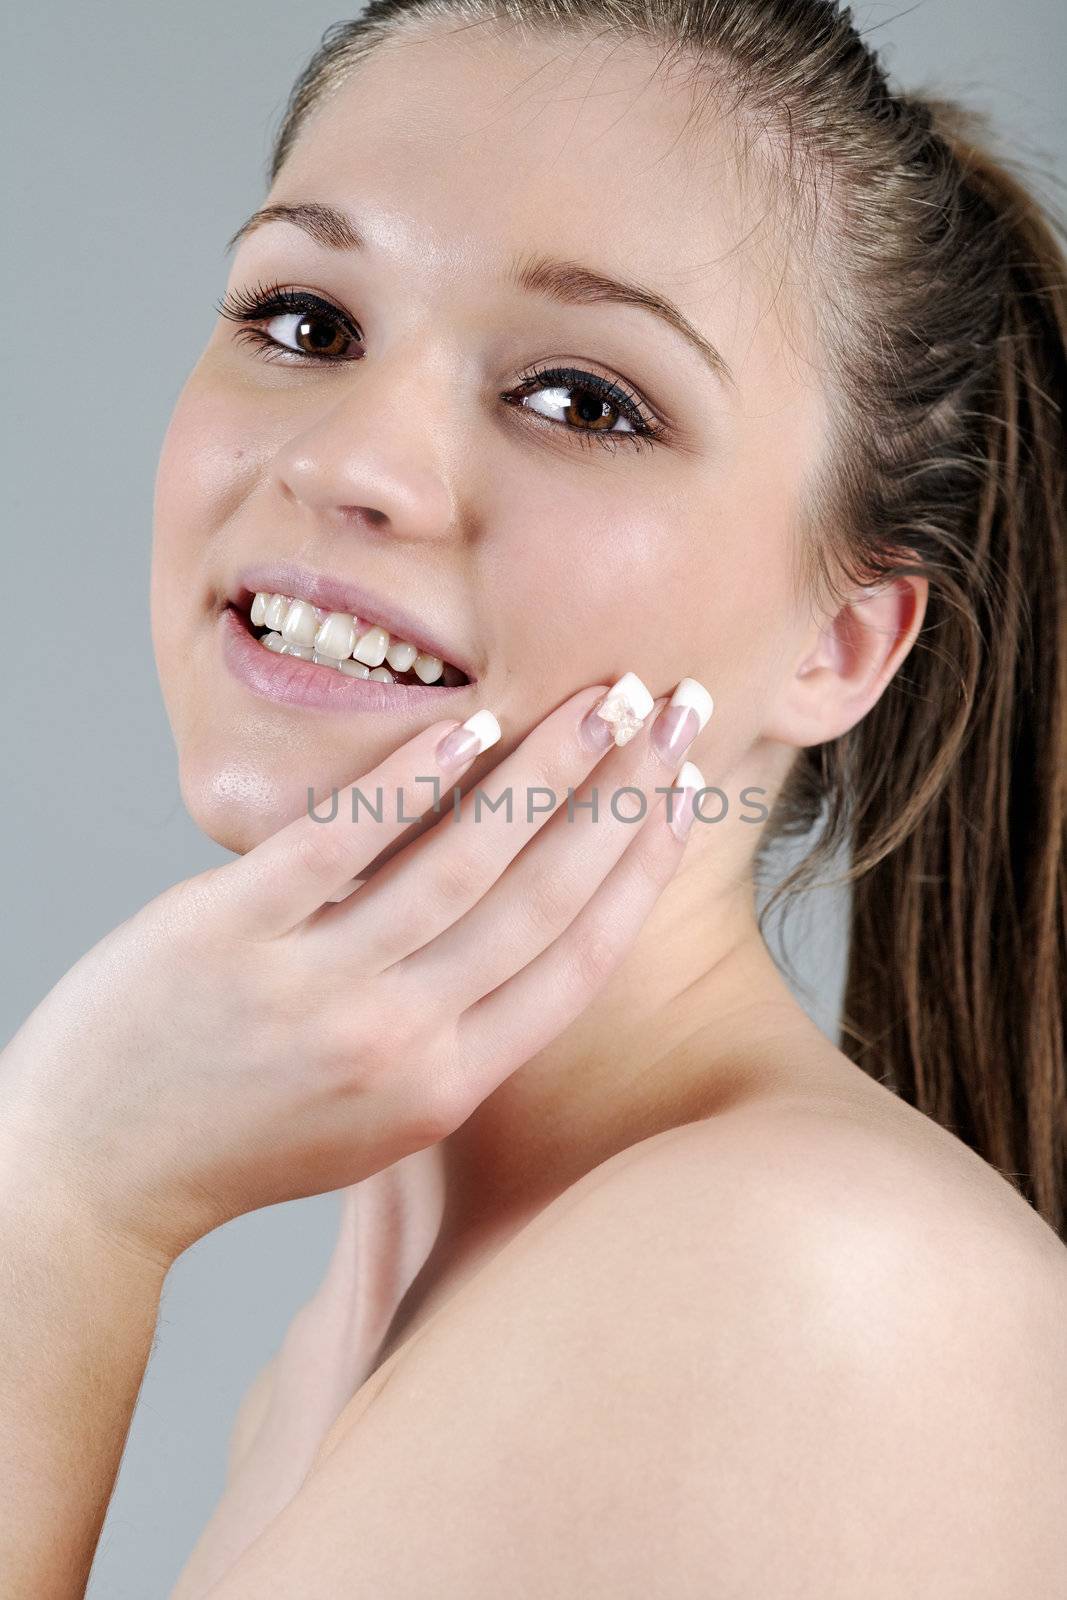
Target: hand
[245,1039]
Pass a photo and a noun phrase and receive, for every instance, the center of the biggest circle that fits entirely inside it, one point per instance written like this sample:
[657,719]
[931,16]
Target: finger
[311,859]
[439,877]
[510,1025]
[546,887]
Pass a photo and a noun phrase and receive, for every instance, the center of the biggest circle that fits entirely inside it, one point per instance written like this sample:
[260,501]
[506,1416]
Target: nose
[370,453]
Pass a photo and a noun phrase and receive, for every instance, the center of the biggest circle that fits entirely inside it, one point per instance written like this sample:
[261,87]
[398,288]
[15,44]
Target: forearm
[77,1317]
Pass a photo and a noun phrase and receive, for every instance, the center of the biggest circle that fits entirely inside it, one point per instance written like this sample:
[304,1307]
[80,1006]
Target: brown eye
[589,406]
[313,334]
[591,411]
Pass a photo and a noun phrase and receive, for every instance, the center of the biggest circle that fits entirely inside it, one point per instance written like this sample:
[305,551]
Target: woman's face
[540,540]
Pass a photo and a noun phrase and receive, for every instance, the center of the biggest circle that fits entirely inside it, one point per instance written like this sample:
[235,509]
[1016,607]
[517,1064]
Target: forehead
[460,149]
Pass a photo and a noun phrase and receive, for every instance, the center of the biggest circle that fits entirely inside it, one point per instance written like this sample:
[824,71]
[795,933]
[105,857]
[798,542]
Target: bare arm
[78,1313]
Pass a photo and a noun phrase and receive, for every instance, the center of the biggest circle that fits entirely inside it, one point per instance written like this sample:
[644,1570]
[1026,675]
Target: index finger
[310,860]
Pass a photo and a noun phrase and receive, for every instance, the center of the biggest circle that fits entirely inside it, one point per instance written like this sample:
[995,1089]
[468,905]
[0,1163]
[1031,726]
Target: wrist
[47,1201]
[48,1219]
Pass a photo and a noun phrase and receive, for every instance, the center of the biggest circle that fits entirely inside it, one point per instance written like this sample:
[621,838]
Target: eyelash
[271,300]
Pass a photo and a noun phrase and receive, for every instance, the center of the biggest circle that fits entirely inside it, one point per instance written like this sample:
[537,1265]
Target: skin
[686,550]
[684,569]
[257,1042]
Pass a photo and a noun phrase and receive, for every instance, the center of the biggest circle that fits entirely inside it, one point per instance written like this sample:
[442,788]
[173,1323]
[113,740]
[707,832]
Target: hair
[944,326]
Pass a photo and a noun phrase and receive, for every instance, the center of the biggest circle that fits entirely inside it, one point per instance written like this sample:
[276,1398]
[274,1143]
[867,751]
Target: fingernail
[618,715]
[682,718]
[690,779]
[471,737]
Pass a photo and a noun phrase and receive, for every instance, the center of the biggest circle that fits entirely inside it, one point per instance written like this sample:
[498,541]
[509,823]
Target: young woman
[644,407]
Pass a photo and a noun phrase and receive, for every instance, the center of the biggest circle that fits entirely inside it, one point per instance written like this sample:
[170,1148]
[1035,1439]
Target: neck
[696,1017]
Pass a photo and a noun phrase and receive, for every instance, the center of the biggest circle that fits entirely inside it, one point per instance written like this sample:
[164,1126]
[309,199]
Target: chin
[239,804]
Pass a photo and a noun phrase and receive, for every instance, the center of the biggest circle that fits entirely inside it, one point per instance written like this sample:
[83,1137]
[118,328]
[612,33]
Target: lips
[333,593]
[292,681]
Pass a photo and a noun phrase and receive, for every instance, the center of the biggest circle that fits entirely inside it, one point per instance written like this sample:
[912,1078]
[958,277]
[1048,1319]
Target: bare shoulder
[805,1171]
[870,1207]
[877,1232]
[802,1348]
[834,1315]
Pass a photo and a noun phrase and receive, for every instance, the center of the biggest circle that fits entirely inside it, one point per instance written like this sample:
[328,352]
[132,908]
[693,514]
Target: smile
[342,642]
[308,639]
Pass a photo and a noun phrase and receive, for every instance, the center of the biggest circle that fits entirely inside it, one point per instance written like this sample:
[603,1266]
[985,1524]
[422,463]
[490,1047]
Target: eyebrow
[567,282]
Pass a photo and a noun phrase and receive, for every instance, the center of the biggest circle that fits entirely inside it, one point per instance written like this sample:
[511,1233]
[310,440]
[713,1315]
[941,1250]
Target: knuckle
[443,1107]
[182,912]
[421,1093]
[365,1044]
[410,923]
[651,862]
[341,1038]
[330,1047]
[547,903]
[199,896]
[596,955]
[321,854]
[453,879]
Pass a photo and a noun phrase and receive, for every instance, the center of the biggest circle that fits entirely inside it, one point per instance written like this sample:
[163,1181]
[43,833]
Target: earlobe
[855,653]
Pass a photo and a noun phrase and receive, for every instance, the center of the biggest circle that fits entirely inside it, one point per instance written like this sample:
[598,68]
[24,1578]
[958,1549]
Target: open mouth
[339,641]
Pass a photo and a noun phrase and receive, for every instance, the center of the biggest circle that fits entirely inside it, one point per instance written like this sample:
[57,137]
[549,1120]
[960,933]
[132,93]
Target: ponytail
[957,977]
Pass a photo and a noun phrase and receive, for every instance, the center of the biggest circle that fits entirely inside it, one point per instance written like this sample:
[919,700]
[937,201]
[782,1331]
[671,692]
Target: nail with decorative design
[617,715]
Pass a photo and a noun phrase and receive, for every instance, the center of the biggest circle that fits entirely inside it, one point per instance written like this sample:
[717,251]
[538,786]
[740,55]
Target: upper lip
[334,593]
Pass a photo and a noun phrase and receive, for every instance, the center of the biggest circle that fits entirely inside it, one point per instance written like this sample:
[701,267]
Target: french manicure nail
[690,779]
[682,718]
[471,737]
[619,714]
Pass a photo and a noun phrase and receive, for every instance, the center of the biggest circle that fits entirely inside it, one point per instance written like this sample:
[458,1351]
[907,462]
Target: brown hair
[945,324]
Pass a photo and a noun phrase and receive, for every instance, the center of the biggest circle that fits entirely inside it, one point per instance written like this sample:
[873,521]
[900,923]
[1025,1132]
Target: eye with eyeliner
[267,302]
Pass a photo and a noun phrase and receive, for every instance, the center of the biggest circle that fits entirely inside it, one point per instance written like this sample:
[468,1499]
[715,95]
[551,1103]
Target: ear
[846,661]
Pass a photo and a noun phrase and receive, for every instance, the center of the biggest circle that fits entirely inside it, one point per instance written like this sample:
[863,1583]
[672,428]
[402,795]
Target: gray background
[135,142]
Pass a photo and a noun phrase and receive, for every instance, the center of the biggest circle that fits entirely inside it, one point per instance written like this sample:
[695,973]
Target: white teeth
[429,668]
[274,608]
[301,624]
[339,640]
[372,647]
[336,636]
[400,655]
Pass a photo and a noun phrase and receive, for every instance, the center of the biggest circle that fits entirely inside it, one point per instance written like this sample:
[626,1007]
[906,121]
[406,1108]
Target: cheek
[208,464]
[209,460]
[668,580]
